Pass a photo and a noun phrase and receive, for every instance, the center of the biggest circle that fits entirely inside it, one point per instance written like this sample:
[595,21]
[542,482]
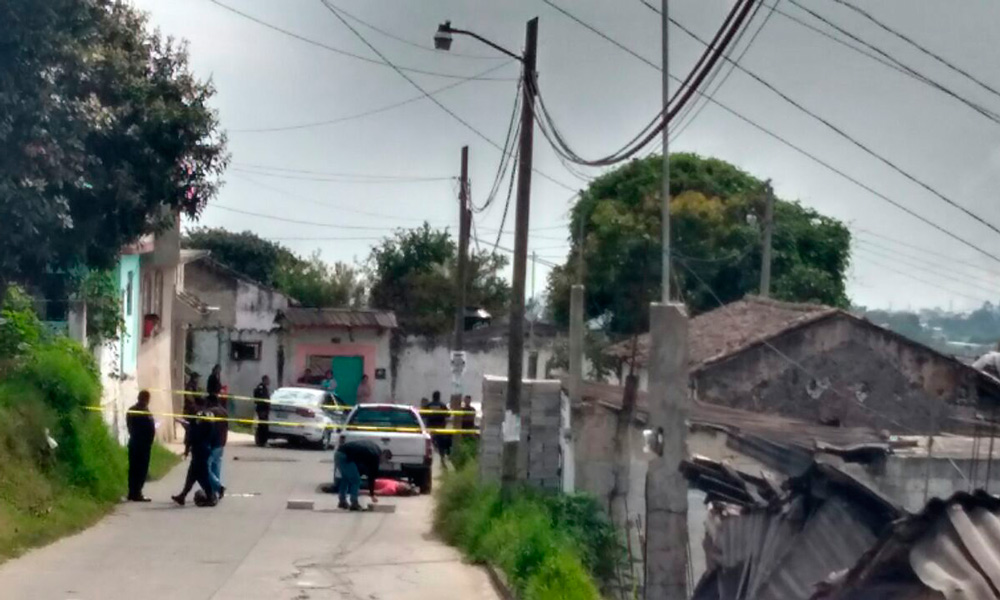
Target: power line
[347,180]
[952,259]
[732,25]
[696,108]
[393,36]
[294,221]
[936,286]
[989,114]
[506,158]
[339,174]
[412,82]
[812,156]
[919,46]
[850,138]
[367,113]
[920,266]
[336,50]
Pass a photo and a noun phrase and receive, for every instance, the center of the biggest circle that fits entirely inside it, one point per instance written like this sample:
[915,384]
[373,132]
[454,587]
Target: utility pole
[515,357]
[464,227]
[665,208]
[765,255]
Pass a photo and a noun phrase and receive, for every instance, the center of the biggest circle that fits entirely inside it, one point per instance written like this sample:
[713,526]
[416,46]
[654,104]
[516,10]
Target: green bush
[465,450]
[48,492]
[548,545]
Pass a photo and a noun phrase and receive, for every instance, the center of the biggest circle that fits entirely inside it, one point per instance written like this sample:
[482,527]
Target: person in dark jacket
[355,459]
[214,386]
[199,445]
[141,431]
[439,420]
[220,435]
[262,407]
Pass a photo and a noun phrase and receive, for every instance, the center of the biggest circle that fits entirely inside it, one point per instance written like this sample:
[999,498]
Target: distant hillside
[962,334]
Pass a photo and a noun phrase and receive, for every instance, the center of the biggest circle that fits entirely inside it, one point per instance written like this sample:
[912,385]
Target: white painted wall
[117,392]
[256,307]
[423,369]
[212,346]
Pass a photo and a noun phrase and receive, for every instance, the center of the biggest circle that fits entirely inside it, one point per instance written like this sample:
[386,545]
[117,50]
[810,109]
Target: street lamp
[515,353]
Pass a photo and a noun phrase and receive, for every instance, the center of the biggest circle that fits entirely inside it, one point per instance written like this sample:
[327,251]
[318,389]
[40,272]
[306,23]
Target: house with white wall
[147,351]
[228,319]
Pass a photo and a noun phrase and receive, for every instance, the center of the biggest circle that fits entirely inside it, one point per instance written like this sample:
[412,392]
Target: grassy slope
[47,493]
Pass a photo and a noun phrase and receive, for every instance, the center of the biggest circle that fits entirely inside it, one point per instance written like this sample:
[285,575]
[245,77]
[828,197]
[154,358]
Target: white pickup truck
[407,451]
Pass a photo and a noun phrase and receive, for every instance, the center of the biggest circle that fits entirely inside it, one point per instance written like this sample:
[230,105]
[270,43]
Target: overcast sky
[601,96]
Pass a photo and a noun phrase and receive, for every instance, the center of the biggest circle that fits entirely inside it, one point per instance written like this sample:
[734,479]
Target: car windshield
[381,416]
[296,397]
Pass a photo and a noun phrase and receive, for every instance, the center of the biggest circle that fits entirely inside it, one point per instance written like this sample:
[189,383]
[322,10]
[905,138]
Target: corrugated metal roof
[952,547]
[782,550]
[302,318]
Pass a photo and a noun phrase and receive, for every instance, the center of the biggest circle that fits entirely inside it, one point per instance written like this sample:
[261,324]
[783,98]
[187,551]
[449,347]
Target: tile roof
[732,327]
[303,318]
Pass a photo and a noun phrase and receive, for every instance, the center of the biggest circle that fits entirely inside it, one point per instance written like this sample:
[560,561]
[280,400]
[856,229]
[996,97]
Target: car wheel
[424,481]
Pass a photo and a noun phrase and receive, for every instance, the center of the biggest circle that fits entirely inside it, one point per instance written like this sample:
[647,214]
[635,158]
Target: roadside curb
[499,581]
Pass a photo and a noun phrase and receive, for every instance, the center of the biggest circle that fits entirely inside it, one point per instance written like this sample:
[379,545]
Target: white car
[304,414]
[407,451]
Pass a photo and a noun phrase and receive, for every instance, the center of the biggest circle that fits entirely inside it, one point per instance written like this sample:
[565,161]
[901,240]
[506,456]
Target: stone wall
[843,371]
[540,458]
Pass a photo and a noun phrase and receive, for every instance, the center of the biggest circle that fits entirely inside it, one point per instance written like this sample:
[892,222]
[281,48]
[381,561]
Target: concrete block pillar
[666,488]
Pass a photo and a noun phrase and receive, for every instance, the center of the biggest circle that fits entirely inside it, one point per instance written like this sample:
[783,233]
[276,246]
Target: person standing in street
[329,382]
[141,431]
[364,394]
[353,460]
[220,435]
[199,446]
[262,406]
[439,420]
[214,386]
[469,416]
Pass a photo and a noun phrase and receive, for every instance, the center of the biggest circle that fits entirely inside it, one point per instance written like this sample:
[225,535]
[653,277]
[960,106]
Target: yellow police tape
[334,426]
[334,407]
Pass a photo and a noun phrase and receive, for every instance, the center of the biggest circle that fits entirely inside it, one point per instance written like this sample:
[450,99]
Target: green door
[347,370]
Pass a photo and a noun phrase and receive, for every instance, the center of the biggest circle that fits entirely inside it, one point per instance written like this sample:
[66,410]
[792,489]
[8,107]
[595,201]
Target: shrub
[548,545]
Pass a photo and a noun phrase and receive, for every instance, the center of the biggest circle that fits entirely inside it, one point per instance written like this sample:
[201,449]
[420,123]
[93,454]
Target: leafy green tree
[246,252]
[716,212]
[413,274]
[314,283]
[105,135]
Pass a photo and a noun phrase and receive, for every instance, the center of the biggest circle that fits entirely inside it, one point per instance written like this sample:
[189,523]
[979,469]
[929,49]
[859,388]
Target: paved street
[251,546]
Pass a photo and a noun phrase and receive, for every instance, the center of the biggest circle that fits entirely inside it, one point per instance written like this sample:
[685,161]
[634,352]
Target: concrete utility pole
[461,279]
[576,333]
[665,208]
[666,488]
[765,255]
[515,358]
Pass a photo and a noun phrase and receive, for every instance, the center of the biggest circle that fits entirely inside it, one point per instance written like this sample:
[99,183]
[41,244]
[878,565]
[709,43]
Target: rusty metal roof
[342,318]
[952,547]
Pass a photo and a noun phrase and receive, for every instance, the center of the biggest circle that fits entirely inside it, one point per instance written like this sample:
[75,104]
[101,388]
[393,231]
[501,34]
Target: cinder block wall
[539,463]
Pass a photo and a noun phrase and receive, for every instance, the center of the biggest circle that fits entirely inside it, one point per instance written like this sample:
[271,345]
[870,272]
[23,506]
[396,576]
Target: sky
[338,187]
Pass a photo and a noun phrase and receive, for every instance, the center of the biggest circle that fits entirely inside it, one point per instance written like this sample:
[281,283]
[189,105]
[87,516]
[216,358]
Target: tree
[413,274]
[311,281]
[316,284]
[716,211]
[106,135]
[246,252]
